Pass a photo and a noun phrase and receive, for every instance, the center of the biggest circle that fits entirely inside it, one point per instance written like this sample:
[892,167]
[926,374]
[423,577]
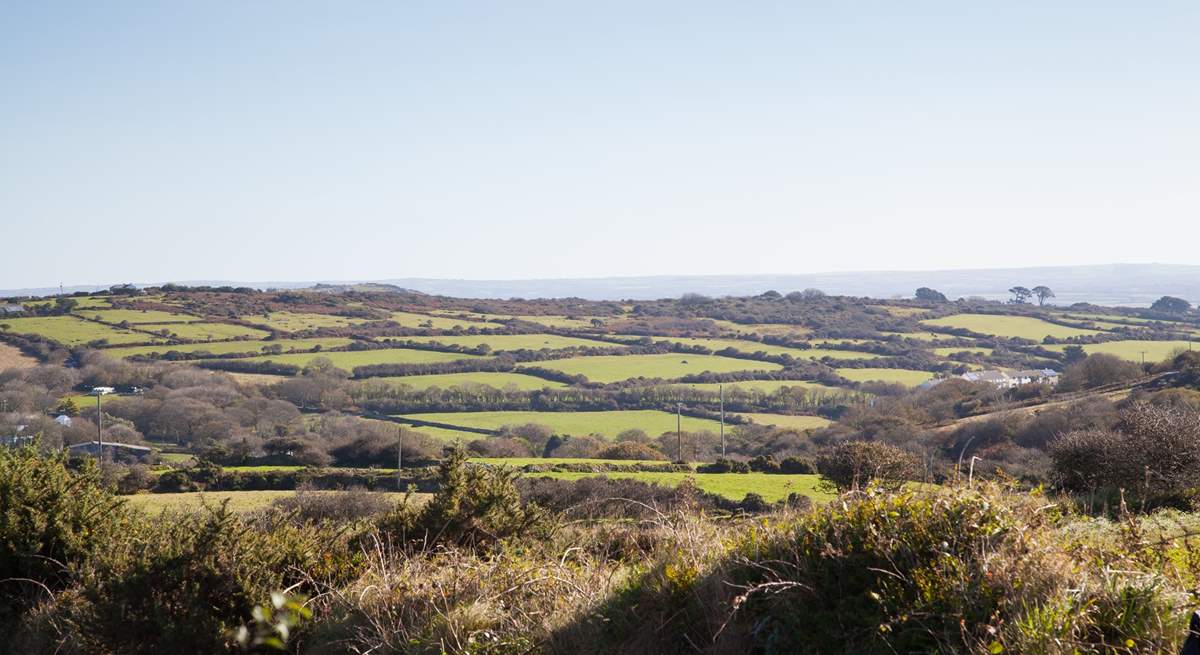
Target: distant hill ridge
[1133,285]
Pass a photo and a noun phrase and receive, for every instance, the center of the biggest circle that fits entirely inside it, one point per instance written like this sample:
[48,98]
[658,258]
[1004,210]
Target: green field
[1156,351]
[227,347]
[298,322]
[946,352]
[136,316]
[614,368]
[751,347]
[765,329]
[607,424]
[765,386]
[518,462]
[919,336]
[788,421]
[564,322]
[411,320]
[892,375]
[903,312]
[348,359]
[735,486]
[239,501]
[1024,327]
[500,342]
[497,380]
[72,331]
[206,331]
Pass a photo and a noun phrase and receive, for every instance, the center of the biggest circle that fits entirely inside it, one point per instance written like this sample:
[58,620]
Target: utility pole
[722,389]
[99,427]
[399,456]
[679,430]
[1143,357]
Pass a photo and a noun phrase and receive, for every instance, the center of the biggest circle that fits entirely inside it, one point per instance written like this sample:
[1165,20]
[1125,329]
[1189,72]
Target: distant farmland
[499,342]
[447,380]
[614,368]
[608,424]
[136,316]
[787,421]
[751,347]
[894,375]
[765,386]
[206,331]
[1024,327]
[72,331]
[350,359]
[227,347]
[293,322]
[772,487]
[1132,350]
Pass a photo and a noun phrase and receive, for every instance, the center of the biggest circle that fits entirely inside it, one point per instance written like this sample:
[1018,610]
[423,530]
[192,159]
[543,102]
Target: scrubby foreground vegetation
[492,564]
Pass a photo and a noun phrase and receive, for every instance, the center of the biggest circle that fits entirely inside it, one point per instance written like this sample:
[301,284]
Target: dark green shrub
[183,583]
[52,521]
[854,463]
[797,466]
[473,506]
[764,464]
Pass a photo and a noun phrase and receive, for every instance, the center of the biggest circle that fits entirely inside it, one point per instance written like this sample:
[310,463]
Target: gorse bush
[473,506]
[184,583]
[954,571]
[51,521]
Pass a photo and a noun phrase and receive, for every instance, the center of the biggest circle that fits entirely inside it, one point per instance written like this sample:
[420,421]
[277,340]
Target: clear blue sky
[159,141]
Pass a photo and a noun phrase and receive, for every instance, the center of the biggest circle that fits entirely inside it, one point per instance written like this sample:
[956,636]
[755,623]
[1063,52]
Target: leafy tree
[1171,305]
[1074,354]
[1043,294]
[1021,295]
[931,295]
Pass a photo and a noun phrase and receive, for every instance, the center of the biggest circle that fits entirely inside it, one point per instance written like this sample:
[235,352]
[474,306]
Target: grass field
[411,320]
[754,346]
[515,341]
[497,380]
[297,322]
[734,486]
[136,316]
[1156,351]
[772,329]
[608,424]
[239,501]
[893,375]
[72,331]
[765,386]
[550,461]
[903,312]
[787,421]
[227,347]
[919,336]
[946,352]
[614,368]
[11,357]
[348,359]
[563,322]
[1024,327]
[206,331]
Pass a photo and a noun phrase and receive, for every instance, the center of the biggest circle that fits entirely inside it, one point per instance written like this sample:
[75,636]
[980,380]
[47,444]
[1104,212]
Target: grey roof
[91,446]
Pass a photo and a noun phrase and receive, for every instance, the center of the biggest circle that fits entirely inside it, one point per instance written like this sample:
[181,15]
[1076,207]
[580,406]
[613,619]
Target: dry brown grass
[11,357]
